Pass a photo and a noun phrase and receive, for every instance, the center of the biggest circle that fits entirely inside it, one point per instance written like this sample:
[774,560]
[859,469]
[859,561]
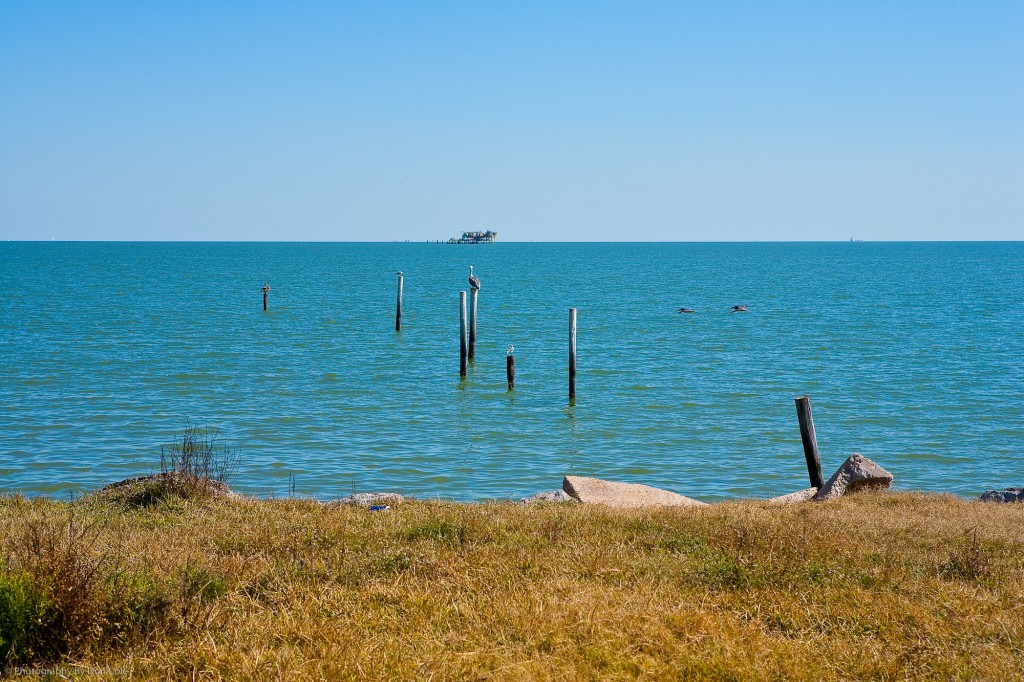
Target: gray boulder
[549,496]
[623,495]
[857,473]
[794,498]
[1008,495]
[368,499]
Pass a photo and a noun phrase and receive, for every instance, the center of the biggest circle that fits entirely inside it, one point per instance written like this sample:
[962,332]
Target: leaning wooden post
[510,368]
[572,353]
[398,309]
[462,334]
[265,290]
[472,325]
[803,413]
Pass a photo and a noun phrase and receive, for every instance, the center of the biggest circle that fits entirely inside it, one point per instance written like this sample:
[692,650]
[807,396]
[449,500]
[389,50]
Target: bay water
[911,353]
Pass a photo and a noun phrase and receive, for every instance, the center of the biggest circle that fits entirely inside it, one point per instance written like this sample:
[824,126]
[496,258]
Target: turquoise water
[911,353]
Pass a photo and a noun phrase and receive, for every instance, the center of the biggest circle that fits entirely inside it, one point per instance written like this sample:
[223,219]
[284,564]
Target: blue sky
[603,121]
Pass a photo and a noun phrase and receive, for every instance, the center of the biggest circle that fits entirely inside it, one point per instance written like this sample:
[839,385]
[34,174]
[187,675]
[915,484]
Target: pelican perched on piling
[474,281]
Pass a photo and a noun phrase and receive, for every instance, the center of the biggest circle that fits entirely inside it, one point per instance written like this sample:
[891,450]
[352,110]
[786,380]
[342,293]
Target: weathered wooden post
[472,325]
[510,367]
[572,354]
[398,309]
[803,413]
[462,334]
[265,290]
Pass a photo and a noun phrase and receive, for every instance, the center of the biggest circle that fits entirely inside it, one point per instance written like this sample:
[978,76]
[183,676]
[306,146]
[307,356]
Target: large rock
[794,498]
[1008,495]
[857,473]
[623,495]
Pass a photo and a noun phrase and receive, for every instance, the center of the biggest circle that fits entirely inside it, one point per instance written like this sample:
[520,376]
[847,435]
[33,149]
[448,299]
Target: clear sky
[604,121]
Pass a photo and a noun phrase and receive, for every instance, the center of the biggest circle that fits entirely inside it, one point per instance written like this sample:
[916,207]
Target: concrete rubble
[549,496]
[623,495]
[857,473]
[805,495]
[367,499]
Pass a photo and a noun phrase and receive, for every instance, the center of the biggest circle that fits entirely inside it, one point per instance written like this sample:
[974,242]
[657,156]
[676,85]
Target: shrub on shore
[195,466]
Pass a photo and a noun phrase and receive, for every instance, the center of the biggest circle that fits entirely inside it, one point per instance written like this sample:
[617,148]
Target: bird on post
[474,281]
[266,288]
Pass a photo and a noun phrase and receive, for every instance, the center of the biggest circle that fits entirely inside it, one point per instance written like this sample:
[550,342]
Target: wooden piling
[398,308]
[572,353]
[472,325]
[510,371]
[265,290]
[462,334]
[803,413]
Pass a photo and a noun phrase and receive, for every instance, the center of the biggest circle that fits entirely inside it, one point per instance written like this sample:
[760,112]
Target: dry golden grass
[886,586]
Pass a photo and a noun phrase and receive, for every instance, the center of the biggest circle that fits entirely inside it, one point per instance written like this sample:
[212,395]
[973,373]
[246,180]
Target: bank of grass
[881,586]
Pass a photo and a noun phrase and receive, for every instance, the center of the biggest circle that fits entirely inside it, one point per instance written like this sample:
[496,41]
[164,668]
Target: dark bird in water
[686,310]
[739,308]
[474,281]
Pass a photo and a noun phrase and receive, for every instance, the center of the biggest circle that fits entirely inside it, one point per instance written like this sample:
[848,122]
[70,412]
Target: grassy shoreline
[885,586]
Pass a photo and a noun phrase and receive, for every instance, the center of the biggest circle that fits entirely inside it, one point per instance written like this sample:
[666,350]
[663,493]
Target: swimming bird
[511,350]
[474,281]
[739,308]
[686,310]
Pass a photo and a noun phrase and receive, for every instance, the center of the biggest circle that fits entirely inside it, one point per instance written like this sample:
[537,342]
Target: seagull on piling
[511,350]
[399,273]
[266,288]
[474,281]
[739,308]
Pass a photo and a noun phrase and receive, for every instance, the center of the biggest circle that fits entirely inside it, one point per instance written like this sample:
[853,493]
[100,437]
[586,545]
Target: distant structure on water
[488,237]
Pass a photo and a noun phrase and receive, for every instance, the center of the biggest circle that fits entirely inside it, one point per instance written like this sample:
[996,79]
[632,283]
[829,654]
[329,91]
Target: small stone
[368,500]
[794,498]
[1008,495]
[549,496]
[857,473]
[623,495]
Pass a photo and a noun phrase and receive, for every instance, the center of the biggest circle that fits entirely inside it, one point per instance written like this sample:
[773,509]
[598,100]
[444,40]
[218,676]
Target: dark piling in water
[265,290]
[462,334]
[472,325]
[810,442]
[398,308]
[510,371]
[572,354]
